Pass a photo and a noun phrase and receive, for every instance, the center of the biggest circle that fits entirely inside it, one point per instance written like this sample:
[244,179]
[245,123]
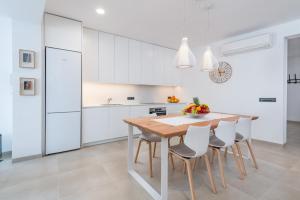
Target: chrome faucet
[109,100]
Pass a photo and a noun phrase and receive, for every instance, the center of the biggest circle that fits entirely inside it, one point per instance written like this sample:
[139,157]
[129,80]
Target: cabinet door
[118,127]
[62,132]
[121,60]
[158,66]
[135,62]
[62,33]
[175,108]
[138,111]
[147,64]
[95,125]
[106,57]
[173,76]
[90,54]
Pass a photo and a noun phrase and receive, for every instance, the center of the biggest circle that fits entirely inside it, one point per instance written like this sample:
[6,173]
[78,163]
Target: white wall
[27,110]
[6,98]
[293,101]
[256,74]
[94,94]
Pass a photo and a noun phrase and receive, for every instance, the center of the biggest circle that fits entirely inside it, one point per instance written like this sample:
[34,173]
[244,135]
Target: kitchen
[77,115]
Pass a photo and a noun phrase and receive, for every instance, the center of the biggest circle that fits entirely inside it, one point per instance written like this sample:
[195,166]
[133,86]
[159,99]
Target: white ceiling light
[185,57]
[100,11]
[209,61]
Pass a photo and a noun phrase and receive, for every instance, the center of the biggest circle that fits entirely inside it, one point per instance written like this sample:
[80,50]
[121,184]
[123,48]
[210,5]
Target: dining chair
[243,134]
[150,138]
[195,145]
[224,137]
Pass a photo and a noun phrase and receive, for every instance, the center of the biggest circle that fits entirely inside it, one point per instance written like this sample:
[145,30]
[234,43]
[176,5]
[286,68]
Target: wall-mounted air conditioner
[249,44]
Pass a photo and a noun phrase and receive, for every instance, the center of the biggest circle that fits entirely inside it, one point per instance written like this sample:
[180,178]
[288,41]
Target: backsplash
[95,93]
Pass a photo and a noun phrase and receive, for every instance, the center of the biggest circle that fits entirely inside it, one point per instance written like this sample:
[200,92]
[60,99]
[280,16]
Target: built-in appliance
[158,111]
[63,100]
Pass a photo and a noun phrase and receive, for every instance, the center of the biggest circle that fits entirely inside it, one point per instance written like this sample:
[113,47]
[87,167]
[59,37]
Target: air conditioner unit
[245,45]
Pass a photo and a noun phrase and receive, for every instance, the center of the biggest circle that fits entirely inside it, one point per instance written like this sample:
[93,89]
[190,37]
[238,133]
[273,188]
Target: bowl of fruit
[196,110]
[173,99]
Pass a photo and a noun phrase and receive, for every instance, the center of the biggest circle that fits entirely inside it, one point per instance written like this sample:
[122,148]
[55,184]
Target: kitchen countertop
[129,104]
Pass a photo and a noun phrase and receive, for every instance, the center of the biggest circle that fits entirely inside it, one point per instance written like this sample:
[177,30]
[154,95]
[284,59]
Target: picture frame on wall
[26,58]
[27,86]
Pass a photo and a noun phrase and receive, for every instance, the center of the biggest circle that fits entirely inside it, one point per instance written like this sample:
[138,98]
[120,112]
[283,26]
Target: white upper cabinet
[121,60]
[158,66]
[147,64]
[90,63]
[135,62]
[113,59]
[173,77]
[106,57]
[63,33]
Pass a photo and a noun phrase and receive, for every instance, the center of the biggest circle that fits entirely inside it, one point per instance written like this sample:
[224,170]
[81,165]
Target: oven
[158,111]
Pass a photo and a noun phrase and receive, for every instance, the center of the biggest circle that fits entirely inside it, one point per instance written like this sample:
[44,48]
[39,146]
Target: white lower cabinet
[138,111]
[95,124]
[118,127]
[175,108]
[105,123]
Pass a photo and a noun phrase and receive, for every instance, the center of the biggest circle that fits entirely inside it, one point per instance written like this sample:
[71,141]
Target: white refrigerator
[63,100]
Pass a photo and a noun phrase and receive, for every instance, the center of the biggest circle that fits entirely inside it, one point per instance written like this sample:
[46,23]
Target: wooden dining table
[166,127]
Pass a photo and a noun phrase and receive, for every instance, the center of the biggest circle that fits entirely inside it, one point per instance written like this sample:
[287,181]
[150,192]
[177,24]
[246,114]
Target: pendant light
[185,57]
[209,61]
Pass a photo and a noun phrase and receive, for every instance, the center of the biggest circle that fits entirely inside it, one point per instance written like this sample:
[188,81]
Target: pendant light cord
[184,17]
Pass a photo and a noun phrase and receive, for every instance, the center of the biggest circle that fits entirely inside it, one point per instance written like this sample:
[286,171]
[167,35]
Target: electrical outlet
[130,98]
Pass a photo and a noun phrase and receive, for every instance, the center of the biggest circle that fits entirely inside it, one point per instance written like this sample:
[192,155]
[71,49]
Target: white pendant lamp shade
[209,61]
[185,57]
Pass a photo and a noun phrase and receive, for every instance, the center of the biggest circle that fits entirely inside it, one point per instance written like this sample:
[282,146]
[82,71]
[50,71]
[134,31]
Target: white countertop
[131,104]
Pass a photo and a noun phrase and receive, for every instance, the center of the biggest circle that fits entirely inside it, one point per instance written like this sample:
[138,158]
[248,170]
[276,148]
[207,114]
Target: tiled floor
[100,172]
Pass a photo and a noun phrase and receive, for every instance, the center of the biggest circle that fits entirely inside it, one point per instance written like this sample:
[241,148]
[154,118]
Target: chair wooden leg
[212,156]
[172,160]
[221,168]
[195,163]
[150,159]
[241,158]
[237,161]
[211,179]
[226,151]
[252,154]
[138,151]
[154,149]
[190,176]
[184,167]
[181,139]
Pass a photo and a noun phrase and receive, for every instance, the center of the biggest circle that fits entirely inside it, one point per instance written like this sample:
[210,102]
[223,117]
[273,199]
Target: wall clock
[222,73]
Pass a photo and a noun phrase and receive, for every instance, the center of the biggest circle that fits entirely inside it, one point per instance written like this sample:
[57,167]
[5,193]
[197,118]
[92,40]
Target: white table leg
[151,191]
[164,168]
[130,148]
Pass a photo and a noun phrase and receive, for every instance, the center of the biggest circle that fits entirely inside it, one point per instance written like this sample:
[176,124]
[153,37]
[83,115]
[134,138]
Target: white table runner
[177,121]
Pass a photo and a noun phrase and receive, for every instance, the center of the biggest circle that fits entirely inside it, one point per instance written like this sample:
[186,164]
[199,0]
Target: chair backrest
[226,132]
[243,127]
[197,139]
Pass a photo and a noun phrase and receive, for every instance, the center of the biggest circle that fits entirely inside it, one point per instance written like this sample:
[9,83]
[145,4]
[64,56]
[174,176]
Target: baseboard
[107,141]
[25,158]
[295,121]
[267,142]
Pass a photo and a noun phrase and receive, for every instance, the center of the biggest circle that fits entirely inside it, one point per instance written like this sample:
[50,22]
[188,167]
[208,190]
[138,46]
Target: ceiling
[29,10]
[161,21]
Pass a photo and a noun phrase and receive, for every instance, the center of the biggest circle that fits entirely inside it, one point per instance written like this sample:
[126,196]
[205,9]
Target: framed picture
[26,58]
[27,86]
